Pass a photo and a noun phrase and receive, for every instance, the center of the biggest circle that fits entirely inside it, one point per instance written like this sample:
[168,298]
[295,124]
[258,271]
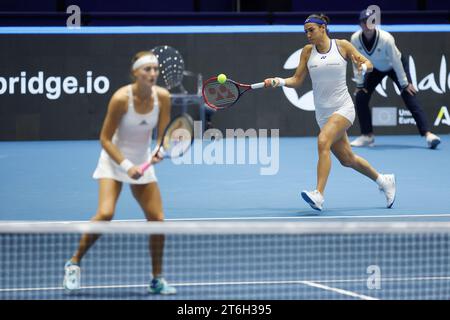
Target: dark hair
[322,17]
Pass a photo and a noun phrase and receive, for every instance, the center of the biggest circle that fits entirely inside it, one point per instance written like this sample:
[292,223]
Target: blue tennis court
[51,181]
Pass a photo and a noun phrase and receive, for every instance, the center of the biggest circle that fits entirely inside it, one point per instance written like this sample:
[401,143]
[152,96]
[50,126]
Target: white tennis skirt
[324,114]
[108,169]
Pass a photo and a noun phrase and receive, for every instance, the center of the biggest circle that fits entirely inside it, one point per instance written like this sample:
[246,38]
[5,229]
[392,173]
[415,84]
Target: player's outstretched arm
[299,76]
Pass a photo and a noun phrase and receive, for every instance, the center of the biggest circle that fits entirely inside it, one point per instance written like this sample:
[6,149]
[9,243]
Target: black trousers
[362,100]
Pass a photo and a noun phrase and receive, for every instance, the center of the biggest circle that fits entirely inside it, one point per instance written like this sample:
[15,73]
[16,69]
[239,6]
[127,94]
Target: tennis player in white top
[133,112]
[325,60]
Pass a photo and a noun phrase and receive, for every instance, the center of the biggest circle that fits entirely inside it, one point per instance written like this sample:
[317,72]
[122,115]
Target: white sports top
[328,75]
[134,134]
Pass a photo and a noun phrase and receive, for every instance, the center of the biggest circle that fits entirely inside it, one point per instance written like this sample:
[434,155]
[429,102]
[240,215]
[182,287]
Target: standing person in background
[379,46]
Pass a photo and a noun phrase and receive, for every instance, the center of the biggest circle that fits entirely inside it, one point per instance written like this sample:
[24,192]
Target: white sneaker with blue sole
[389,189]
[314,199]
[160,286]
[433,141]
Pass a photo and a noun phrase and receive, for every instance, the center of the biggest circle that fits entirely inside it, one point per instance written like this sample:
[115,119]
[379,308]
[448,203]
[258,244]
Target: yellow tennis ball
[221,78]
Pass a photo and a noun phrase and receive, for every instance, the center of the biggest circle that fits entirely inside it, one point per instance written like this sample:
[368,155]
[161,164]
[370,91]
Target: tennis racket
[220,96]
[177,139]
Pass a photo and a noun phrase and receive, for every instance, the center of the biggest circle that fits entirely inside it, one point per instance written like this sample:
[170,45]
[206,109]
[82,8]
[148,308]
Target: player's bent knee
[323,143]
[347,161]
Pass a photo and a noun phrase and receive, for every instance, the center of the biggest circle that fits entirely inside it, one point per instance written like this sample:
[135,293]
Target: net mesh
[221,95]
[231,260]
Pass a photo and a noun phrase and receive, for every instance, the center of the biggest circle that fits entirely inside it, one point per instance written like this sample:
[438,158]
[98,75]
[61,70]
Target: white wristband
[281,82]
[126,165]
[364,69]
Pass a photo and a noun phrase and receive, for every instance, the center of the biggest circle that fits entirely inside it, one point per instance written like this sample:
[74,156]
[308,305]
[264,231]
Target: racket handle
[258,85]
[145,166]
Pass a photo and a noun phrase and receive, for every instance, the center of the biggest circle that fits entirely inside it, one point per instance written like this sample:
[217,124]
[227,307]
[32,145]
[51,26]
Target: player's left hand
[358,63]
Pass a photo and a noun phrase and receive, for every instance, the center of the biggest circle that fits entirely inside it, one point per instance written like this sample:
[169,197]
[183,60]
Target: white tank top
[328,75]
[134,134]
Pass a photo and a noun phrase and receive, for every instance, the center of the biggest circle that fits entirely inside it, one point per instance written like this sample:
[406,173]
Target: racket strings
[221,95]
[178,137]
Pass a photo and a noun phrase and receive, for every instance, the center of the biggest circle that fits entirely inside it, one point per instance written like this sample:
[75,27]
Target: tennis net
[231,260]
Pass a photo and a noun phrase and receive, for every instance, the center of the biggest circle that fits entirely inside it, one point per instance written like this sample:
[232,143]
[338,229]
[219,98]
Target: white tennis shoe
[389,188]
[314,199]
[72,276]
[363,141]
[433,140]
[159,285]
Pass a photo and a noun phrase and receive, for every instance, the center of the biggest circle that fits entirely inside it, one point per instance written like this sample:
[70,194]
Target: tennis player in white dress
[133,112]
[325,60]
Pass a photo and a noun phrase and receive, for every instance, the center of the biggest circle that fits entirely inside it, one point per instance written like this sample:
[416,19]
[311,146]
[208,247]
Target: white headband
[147,59]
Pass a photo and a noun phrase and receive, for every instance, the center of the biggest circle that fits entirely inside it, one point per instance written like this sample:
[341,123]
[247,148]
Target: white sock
[380,180]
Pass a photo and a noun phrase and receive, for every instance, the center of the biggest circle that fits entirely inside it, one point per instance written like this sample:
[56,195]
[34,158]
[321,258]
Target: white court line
[307,283]
[340,291]
[313,283]
[321,217]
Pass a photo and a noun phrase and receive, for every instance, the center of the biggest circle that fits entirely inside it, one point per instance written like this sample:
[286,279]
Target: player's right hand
[268,82]
[271,83]
[134,173]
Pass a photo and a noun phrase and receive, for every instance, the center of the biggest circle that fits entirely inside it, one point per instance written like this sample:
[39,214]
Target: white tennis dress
[328,75]
[133,138]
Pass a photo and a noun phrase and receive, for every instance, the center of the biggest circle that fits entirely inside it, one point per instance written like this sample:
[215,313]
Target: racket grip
[258,85]
[145,166]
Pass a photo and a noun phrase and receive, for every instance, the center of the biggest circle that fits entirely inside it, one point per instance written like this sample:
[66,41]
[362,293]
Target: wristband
[281,82]
[126,165]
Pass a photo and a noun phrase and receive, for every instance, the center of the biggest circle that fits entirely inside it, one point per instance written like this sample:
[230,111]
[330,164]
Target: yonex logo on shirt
[143,122]
[324,57]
